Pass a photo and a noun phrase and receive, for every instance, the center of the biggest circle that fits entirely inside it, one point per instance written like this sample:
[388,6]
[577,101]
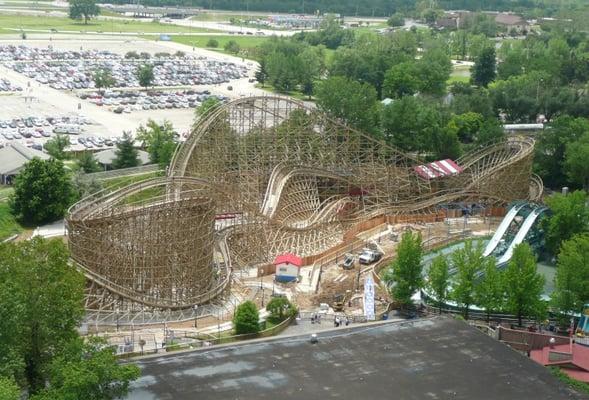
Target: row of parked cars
[127,101]
[41,127]
[7,86]
[65,73]
[28,53]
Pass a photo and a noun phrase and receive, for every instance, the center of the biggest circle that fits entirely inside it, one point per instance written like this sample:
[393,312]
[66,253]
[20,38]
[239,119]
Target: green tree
[468,263]
[438,280]
[483,70]
[232,47]
[88,371]
[41,307]
[42,192]
[349,101]
[569,216]
[206,106]
[261,72]
[9,389]
[103,78]
[575,163]
[280,308]
[159,141]
[246,318]
[85,9]
[87,162]
[396,20]
[56,146]
[435,68]
[523,285]
[213,43]
[405,274]
[145,75]
[571,290]
[126,155]
[402,79]
[550,155]
[489,291]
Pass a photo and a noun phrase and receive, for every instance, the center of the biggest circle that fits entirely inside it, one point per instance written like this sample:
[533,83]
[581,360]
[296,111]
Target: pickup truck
[369,256]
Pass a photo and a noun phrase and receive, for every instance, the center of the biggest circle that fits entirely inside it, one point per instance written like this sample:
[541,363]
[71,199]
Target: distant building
[13,158]
[287,267]
[512,22]
[106,157]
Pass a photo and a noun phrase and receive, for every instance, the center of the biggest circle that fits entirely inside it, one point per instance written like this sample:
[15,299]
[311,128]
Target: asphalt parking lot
[41,100]
[67,69]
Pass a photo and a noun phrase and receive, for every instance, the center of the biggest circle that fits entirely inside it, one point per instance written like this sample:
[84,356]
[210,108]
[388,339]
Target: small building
[13,158]
[287,267]
[512,22]
[106,157]
[438,169]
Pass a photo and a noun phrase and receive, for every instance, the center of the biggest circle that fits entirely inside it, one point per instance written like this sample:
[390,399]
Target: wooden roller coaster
[257,177]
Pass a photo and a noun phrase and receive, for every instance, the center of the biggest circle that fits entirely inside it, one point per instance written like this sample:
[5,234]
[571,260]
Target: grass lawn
[5,191]
[27,22]
[297,95]
[8,225]
[246,42]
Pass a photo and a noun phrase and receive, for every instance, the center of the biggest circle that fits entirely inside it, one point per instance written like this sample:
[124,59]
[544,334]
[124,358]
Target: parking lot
[42,100]
[127,101]
[7,86]
[68,69]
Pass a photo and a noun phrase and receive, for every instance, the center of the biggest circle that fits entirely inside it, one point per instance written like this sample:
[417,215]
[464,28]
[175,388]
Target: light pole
[195,308]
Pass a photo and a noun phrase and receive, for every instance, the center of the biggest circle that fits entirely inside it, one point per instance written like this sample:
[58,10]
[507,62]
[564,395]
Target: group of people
[337,321]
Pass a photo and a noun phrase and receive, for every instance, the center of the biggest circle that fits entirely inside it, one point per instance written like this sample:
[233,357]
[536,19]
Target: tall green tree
[280,308]
[575,163]
[42,192]
[401,80]
[483,71]
[9,390]
[523,285]
[103,78]
[261,72]
[126,155]
[246,318]
[549,159]
[396,20]
[87,162]
[569,216]
[435,68]
[56,146]
[206,106]
[571,290]
[352,102]
[468,262]
[159,141]
[41,307]
[145,75]
[405,274]
[88,370]
[438,280]
[489,291]
[85,9]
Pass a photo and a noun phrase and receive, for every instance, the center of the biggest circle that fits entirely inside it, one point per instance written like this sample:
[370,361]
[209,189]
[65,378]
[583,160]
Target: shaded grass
[8,224]
[28,22]
[247,43]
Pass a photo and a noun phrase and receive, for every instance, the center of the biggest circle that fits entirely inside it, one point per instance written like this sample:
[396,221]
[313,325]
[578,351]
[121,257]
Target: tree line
[469,279]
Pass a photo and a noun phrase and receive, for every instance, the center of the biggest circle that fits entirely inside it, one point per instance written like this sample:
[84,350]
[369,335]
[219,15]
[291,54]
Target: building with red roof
[287,267]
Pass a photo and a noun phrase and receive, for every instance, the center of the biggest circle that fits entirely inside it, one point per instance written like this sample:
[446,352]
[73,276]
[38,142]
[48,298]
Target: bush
[246,319]
[232,47]
[132,55]
[280,308]
[180,54]
[214,43]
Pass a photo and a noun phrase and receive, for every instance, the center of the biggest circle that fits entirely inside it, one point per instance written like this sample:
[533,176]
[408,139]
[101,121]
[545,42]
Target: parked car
[369,256]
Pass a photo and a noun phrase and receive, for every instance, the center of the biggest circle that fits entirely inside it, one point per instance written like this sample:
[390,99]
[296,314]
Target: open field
[246,42]
[9,23]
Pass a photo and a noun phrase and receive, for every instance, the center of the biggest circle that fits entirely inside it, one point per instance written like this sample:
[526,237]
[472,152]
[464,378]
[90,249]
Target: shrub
[214,43]
[246,319]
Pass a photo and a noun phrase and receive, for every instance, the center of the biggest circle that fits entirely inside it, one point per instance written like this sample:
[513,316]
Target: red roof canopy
[438,169]
[288,258]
